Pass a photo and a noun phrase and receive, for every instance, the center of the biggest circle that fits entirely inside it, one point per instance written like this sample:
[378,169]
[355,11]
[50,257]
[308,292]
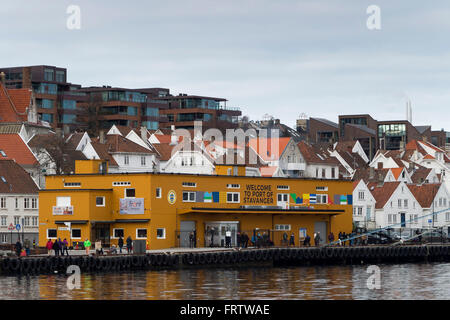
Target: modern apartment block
[124,107]
[183,110]
[318,130]
[56,99]
[362,128]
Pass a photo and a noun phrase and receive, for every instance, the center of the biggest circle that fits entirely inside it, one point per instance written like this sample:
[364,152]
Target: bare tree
[89,114]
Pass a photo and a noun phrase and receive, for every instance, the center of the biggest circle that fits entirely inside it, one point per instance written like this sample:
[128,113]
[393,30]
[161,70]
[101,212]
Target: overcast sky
[279,57]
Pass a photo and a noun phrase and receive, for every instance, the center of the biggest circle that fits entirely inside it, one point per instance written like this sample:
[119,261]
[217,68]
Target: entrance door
[186,227]
[283,200]
[403,219]
[215,232]
[321,227]
[101,232]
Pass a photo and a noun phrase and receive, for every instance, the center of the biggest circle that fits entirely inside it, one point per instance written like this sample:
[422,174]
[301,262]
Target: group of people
[24,250]
[242,239]
[58,246]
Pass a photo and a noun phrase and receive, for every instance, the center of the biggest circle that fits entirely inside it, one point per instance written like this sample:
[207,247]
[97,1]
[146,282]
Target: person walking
[120,243]
[285,239]
[18,247]
[317,239]
[26,245]
[212,237]
[56,247]
[239,240]
[87,245]
[331,237]
[49,246]
[292,240]
[129,244]
[228,238]
[191,240]
[65,244]
[245,240]
[307,241]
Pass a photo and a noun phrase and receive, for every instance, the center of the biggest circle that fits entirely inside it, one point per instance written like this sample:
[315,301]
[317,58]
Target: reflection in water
[406,281]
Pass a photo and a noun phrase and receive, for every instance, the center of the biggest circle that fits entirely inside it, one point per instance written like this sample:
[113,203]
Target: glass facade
[49,75]
[68,118]
[124,96]
[60,76]
[358,120]
[150,112]
[392,135]
[48,117]
[47,88]
[69,104]
[44,103]
[151,125]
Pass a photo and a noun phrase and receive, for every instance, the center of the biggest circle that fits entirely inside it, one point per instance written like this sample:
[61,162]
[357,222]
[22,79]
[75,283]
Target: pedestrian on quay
[228,238]
[285,239]
[307,241]
[317,239]
[18,247]
[238,240]
[49,246]
[26,245]
[191,240]
[340,238]
[292,240]
[245,240]
[56,247]
[331,237]
[120,243]
[65,244]
[212,238]
[87,245]
[344,238]
[129,244]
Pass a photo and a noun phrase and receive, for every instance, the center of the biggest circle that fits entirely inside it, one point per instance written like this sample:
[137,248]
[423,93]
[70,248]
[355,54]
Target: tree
[89,114]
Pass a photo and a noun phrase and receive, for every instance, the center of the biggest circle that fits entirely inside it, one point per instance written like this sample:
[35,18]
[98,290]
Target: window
[17,203]
[142,161]
[394,218]
[26,221]
[322,198]
[333,173]
[121,183]
[282,197]
[189,184]
[405,203]
[76,234]
[321,188]
[63,201]
[126,160]
[16,220]
[3,221]
[4,238]
[233,197]
[158,192]
[282,187]
[283,227]
[100,201]
[389,218]
[117,233]
[399,203]
[72,184]
[51,234]
[26,203]
[323,173]
[3,153]
[3,202]
[233,186]
[35,221]
[188,196]
[360,209]
[33,203]
[160,233]
[141,233]
[48,74]
[361,195]
[130,193]
[447,216]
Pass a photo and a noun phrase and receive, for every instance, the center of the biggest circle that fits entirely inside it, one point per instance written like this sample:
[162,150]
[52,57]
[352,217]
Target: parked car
[379,238]
[435,236]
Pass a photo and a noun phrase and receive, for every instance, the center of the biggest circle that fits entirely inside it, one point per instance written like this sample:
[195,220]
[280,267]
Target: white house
[363,205]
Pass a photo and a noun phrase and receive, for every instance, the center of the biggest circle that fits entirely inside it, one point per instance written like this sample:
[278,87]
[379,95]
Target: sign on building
[132,206]
[59,211]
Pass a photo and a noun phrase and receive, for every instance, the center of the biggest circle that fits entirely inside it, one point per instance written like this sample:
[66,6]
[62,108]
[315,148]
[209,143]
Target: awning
[131,220]
[71,221]
[305,211]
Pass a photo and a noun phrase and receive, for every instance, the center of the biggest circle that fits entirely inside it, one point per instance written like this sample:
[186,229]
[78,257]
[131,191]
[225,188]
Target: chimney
[102,137]
[173,139]
[379,165]
[3,78]
[371,173]
[144,133]
[380,179]
[66,130]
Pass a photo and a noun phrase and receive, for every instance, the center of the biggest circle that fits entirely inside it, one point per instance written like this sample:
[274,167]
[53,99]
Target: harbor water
[397,281]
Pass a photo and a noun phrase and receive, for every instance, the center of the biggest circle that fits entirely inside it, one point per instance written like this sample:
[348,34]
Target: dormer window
[3,153]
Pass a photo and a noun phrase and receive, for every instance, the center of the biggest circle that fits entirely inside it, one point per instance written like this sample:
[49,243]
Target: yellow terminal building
[165,209]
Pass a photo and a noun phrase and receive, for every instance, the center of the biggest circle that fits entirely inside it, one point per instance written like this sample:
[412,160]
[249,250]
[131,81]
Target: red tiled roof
[15,148]
[382,193]
[420,175]
[428,156]
[396,172]
[15,179]
[425,193]
[312,154]
[9,111]
[268,171]
[263,147]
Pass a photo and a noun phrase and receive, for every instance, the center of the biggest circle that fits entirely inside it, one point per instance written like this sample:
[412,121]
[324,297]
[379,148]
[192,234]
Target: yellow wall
[162,214]
[88,166]
[223,170]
